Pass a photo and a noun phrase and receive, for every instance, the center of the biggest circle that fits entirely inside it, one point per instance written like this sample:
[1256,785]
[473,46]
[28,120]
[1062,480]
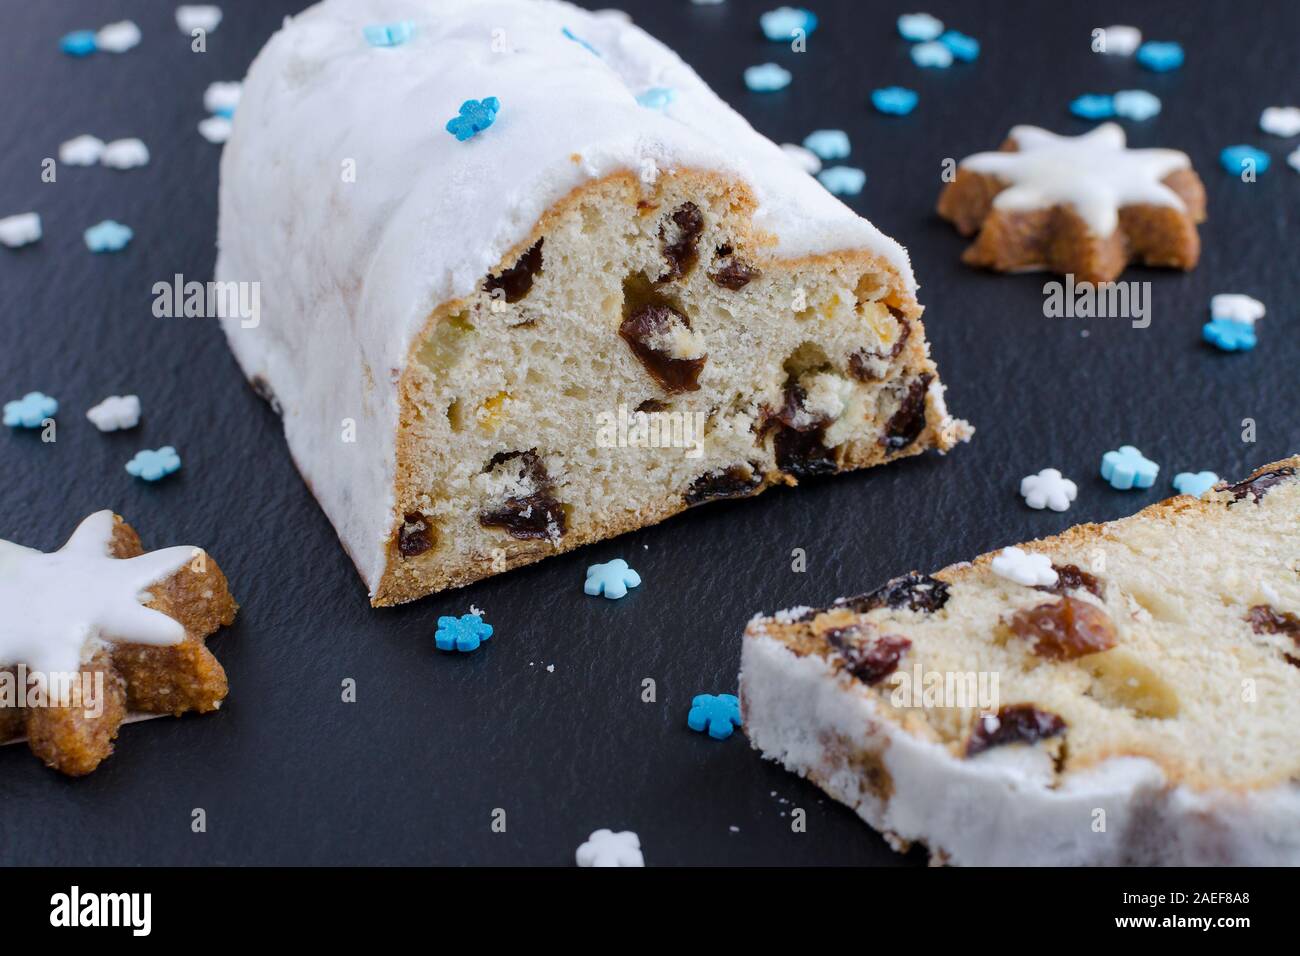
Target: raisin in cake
[1139,705]
[472,342]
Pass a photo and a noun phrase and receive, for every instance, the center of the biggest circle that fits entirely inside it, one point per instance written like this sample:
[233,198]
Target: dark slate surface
[412,772]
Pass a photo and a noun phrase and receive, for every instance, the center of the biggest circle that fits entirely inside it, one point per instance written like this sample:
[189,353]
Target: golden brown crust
[1058,240]
[404,580]
[138,678]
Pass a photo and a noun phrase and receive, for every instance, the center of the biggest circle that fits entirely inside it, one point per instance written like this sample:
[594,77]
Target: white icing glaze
[350,271]
[1095,173]
[56,609]
[1000,809]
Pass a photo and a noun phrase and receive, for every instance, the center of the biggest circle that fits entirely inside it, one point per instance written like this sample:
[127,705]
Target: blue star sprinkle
[963,47]
[1136,104]
[1128,468]
[30,410]
[1237,159]
[932,54]
[388,34]
[1229,335]
[464,633]
[152,465]
[784,23]
[657,97]
[475,116]
[580,41]
[719,714]
[611,579]
[78,43]
[843,180]
[108,236]
[1160,56]
[894,100]
[767,78]
[1196,484]
[919,27]
[1093,106]
[828,143]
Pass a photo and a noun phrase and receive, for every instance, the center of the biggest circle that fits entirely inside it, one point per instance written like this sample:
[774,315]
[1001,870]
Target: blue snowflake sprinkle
[1160,56]
[388,34]
[1229,335]
[1128,468]
[30,410]
[580,41]
[108,236]
[719,714]
[843,180]
[1093,106]
[963,47]
[1238,159]
[919,27]
[828,143]
[78,43]
[894,100]
[1196,484]
[152,465]
[784,23]
[932,54]
[657,97]
[464,633]
[767,78]
[611,579]
[1136,105]
[475,116]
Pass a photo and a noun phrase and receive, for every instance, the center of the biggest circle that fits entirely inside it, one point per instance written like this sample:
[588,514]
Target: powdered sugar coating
[363,263]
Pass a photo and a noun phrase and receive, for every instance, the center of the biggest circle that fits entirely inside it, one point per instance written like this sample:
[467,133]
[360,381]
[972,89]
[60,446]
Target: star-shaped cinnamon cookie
[100,630]
[1085,205]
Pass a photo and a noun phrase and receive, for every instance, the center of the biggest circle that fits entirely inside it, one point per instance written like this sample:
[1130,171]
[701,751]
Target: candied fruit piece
[738,481]
[415,536]
[868,659]
[1259,485]
[682,252]
[1070,577]
[1014,724]
[916,592]
[517,281]
[1065,629]
[906,424]
[646,329]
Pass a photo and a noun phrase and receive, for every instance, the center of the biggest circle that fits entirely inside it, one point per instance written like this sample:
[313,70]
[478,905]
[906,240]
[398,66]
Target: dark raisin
[1065,629]
[916,592]
[1265,620]
[1258,485]
[534,515]
[415,536]
[639,330]
[734,275]
[906,424]
[1070,577]
[870,660]
[682,252]
[798,437]
[738,481]
[652,405]
[517,281]
[1014,724]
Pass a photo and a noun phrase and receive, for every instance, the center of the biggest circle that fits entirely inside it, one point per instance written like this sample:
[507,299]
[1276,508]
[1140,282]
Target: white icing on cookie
[1094,173]
[354,264]
[56,609]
